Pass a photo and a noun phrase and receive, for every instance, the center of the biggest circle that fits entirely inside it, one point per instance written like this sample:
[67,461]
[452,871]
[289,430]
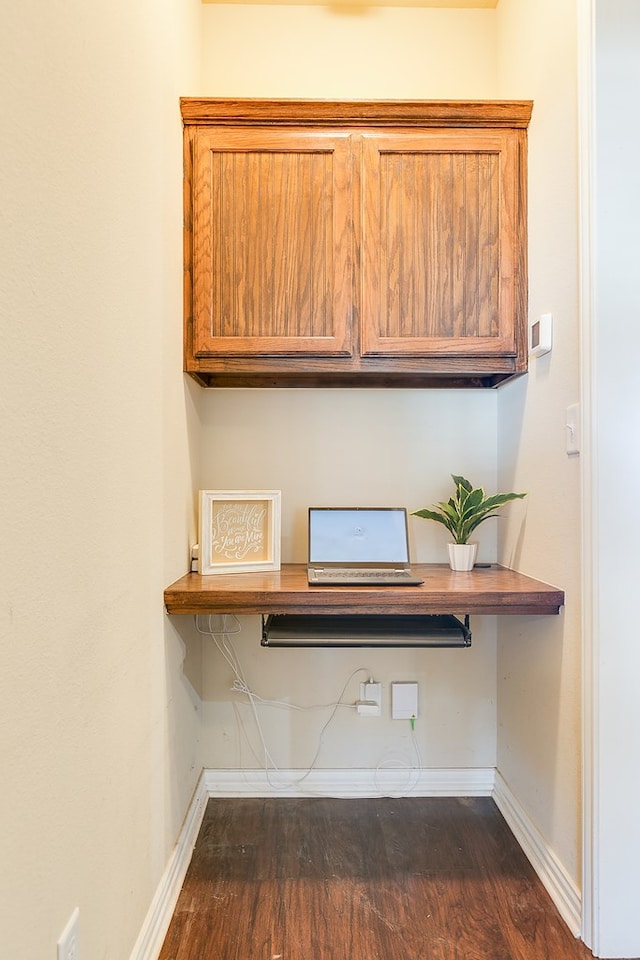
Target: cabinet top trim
[423,113]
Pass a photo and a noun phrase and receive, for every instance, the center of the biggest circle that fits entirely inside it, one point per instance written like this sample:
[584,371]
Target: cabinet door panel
[439,244]
[273,261]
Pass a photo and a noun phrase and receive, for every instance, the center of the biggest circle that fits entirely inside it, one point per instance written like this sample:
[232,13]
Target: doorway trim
[588,481]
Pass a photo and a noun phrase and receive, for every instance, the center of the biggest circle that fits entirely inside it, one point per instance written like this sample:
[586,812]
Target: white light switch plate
[572,422]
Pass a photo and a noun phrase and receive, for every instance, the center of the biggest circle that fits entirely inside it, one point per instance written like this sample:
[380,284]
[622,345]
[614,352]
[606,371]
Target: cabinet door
[440,233]
[273,263]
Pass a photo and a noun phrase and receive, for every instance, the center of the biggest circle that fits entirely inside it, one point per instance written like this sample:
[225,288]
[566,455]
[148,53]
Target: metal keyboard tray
[360,630]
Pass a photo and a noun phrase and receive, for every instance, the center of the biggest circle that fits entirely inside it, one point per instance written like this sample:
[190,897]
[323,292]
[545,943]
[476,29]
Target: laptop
[359,546]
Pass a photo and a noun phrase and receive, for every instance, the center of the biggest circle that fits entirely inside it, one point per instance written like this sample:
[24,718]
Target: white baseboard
[458,782]
[559,885]
[156,923]
[465,782]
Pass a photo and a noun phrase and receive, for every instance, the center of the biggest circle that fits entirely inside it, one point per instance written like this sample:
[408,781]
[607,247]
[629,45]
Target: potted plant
[461,514]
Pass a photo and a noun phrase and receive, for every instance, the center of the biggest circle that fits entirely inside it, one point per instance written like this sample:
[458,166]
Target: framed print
[239,531]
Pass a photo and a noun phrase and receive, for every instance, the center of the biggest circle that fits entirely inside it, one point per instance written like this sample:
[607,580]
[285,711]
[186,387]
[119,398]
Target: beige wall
[347,50]
[539,673]
[98,722]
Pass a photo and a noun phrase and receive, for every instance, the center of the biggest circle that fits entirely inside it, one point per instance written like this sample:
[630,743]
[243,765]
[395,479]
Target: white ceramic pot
[462,556]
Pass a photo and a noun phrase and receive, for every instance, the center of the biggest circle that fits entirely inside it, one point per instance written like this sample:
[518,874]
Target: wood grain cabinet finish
[273,243]
[332,243]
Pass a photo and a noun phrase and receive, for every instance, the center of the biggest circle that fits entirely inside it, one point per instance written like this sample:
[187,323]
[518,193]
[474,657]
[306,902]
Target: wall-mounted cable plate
[404,700]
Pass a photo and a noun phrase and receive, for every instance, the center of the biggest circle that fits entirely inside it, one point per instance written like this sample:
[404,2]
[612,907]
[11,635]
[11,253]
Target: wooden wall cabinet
[355,242]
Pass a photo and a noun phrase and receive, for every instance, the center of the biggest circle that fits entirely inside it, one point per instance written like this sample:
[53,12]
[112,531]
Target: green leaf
[434,515]
[428,514]
[461,482]
[477,520]
[473,501]
[500,498]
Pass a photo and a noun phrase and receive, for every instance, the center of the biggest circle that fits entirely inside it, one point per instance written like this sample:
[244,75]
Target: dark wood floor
[321,879]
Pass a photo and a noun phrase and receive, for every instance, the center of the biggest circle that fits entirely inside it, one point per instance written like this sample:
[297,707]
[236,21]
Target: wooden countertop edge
[496,590]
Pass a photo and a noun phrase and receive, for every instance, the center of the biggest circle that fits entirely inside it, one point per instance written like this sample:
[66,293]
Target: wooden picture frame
[239,531]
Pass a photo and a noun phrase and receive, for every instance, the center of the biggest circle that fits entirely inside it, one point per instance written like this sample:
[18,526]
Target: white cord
[240,685]
[401,764]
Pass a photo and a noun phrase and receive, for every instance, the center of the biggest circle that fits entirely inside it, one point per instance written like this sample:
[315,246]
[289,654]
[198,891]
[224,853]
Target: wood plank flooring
[379,879]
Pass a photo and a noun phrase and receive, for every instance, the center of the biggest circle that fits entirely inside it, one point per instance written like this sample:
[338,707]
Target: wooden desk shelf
[485,590]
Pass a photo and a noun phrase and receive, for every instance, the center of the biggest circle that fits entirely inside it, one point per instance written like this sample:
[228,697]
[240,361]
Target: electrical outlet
[69,942]
[370,702]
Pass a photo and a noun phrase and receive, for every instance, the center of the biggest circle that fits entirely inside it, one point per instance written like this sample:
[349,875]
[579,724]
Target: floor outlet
[370,702]
[69,942]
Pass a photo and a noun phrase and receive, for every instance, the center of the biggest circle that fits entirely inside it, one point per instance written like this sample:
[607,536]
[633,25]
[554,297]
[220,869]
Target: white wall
[539,659]
[350,446]
[98,721]
[614,518]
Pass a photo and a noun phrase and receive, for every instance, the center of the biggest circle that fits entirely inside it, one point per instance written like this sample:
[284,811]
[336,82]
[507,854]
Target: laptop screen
[358,535]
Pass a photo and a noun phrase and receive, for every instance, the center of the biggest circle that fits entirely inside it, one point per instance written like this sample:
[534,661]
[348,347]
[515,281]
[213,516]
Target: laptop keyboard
[337,573]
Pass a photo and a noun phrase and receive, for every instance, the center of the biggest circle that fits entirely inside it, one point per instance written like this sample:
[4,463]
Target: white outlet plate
[69,942]
[370,700]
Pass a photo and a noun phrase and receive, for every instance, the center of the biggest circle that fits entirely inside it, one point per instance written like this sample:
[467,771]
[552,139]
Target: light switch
[572,421]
